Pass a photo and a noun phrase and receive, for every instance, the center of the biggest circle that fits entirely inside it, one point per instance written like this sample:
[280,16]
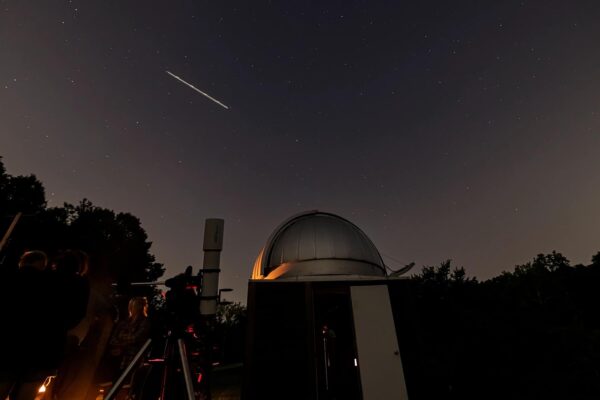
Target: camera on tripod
[176,364]
[183,300]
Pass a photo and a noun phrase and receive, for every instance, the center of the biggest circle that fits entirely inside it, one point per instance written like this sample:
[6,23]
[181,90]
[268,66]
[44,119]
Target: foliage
[231,330]
[443,274]
[118,240]
[231,314]
[117,244]
[20,193]
[530,333]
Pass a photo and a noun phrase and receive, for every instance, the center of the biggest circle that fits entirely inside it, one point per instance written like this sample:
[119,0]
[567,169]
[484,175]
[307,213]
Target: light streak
[197,90]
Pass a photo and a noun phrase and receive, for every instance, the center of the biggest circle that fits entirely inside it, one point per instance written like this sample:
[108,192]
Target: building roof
[315,244]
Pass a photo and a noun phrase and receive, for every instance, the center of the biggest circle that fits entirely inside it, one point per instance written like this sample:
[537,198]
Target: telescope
[187,345]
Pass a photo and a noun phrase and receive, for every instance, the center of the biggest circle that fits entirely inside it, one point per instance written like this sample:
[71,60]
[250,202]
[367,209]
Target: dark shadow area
[532,333]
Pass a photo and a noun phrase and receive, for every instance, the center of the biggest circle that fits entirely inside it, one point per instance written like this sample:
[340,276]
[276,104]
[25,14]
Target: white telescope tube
[213,244]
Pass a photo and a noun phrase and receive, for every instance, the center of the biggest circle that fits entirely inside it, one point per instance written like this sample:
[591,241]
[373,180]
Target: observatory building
[320,320]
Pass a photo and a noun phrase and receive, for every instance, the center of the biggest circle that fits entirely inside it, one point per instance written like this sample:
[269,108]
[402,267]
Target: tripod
[168,377]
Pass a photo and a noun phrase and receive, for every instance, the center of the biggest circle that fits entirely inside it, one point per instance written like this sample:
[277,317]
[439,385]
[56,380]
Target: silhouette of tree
[20,193]
[117,244]
[231,331]
[3,178]
[530,333]
[231,314]
[596,260]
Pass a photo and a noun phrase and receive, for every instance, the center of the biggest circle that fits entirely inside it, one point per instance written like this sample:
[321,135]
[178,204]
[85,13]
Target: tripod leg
[167,357]
[119,382]
[189,386]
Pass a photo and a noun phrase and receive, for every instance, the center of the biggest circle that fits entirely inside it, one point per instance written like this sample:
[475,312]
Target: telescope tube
[213,244]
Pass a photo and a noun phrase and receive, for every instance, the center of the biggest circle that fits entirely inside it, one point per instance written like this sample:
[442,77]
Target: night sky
[467,130]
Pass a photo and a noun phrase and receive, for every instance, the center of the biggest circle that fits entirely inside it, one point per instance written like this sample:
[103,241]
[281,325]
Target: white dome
[317,243]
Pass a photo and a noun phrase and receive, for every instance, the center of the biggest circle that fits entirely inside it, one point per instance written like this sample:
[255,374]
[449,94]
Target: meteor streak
[198,90]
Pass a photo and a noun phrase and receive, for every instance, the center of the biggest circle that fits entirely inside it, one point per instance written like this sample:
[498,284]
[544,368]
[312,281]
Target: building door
[381,373]
[335,350]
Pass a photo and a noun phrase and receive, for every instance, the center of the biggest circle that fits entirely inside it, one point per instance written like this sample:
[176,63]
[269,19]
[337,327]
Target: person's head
[73,262]
[34,259]
[138,307]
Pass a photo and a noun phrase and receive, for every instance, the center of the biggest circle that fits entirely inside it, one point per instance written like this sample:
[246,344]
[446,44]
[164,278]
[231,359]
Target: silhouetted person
[126,339]
[72,287]
[47,303]
[94,333]
[69,294]
[130,334]
[71,268]
[25,320]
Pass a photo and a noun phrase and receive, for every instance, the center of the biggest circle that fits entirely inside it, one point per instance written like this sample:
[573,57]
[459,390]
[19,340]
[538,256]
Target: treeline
[116,243]
[533,333]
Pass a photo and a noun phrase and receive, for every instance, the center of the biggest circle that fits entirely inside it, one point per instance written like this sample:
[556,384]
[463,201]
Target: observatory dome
[316,244]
